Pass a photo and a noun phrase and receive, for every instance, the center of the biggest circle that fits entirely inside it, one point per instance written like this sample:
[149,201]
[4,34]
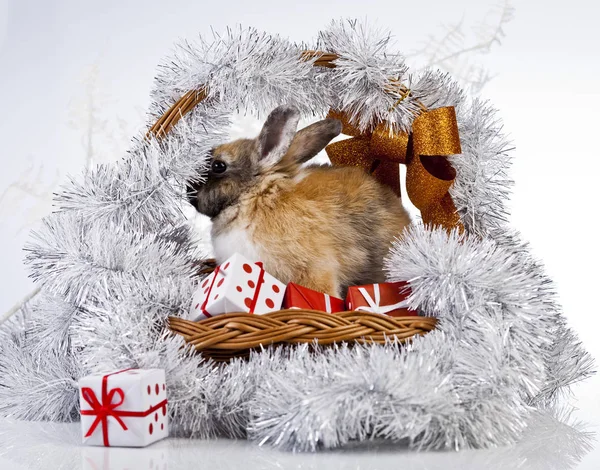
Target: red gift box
[297,296]
[382,298]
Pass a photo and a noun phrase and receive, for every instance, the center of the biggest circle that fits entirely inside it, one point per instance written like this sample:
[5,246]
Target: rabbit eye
[218,166]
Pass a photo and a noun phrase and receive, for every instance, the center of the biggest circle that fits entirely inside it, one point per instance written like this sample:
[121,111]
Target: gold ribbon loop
[389,145]
[436,132]
[429,175]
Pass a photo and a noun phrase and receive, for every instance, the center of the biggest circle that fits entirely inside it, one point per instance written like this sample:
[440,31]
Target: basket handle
[190,99]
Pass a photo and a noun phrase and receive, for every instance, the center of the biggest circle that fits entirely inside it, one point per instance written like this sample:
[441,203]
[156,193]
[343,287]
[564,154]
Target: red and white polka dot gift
[237,285]
[124,408]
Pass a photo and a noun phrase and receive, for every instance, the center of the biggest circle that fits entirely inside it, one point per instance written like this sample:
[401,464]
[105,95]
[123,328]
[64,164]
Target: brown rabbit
[323,227]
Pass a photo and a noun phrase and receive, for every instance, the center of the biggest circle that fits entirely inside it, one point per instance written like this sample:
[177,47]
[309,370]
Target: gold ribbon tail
[429,174]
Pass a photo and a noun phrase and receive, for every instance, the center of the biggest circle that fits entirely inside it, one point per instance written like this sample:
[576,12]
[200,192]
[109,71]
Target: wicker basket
[235,334]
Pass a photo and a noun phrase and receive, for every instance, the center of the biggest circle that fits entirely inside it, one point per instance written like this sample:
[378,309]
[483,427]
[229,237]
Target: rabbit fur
[324,227]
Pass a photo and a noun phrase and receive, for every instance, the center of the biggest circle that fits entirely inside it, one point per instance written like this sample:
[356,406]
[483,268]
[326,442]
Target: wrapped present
[125,408]
[237,285]
[297,296]
[388,298]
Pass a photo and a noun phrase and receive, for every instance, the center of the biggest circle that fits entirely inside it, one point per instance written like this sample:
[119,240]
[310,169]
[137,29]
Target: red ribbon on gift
[203,306]
[259,283]
[105,408]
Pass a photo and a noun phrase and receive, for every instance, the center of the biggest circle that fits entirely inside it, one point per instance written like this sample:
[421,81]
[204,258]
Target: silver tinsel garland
[117,259]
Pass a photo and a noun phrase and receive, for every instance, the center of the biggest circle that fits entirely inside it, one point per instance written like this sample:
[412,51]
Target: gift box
[237,285]
[387,298]
[125,408]
[297,296]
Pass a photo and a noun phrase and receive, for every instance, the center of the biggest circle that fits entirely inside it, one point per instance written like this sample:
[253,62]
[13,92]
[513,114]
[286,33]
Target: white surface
[546,87]
[26,446]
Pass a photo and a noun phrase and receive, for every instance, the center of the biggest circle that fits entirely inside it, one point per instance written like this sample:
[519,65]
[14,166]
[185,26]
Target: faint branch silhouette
[20,305]
[457,53]
[32,183]
[86,117]
[103,138]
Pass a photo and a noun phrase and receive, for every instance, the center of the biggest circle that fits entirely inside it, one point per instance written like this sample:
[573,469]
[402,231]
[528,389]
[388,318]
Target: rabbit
[321,226]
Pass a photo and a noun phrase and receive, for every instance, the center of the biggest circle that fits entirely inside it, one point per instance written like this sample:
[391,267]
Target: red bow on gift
[105,408]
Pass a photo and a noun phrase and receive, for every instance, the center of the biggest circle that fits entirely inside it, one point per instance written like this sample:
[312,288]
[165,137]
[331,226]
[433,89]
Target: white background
[58,56]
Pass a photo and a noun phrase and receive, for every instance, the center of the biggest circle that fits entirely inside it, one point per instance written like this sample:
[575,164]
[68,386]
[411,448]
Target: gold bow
[429,175]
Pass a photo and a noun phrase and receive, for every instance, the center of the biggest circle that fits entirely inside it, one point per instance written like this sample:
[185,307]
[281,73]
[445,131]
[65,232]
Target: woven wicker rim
[236,334]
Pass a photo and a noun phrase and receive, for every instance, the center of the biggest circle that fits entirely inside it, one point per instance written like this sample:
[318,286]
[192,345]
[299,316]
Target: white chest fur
[234,240]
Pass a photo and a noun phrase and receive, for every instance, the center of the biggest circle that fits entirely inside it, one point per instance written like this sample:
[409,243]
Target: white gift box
[237,285]
[126,408]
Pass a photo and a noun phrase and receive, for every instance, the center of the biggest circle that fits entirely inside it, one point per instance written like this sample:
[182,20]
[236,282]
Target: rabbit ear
[277,134]
[312,139]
